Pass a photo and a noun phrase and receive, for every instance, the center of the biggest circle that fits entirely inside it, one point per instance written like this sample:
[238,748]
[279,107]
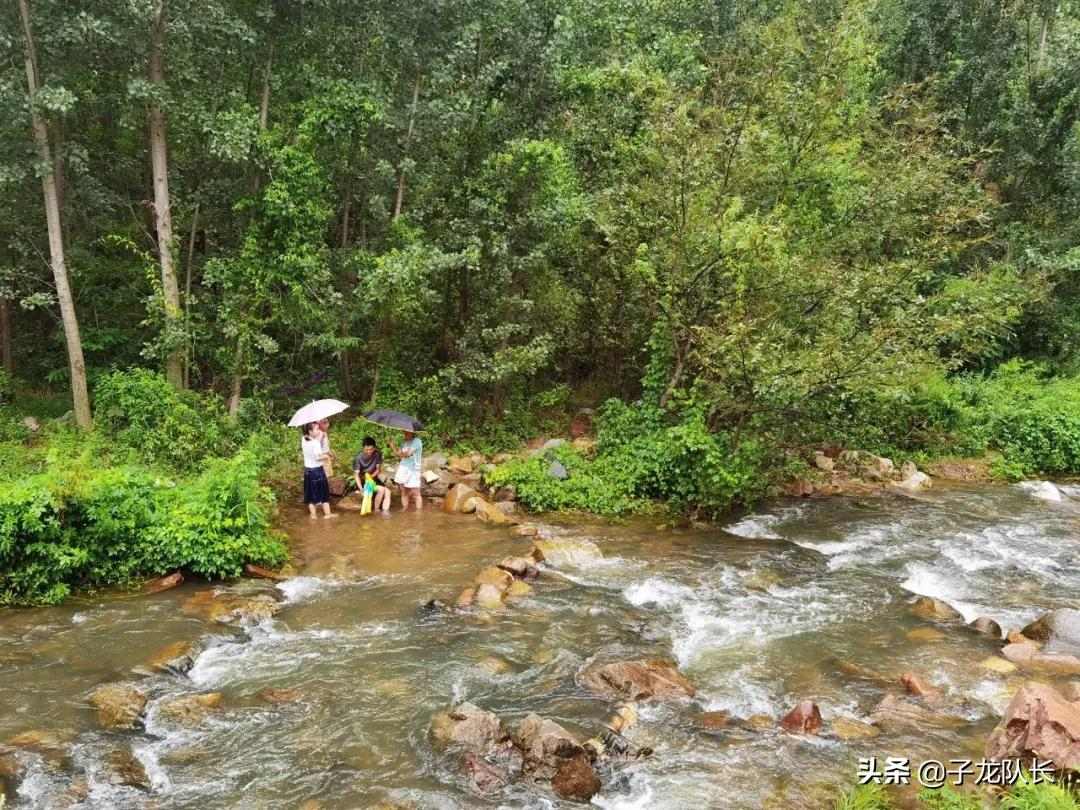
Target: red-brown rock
[799,488]
[713,721]
[805,718]
[164,583]
[918,686]
[576,779]
[650,679]
[1041,723]
[482,776]
[257,571]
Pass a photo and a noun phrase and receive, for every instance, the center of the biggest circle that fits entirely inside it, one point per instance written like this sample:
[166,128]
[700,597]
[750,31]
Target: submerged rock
[275,696]
[490,597]
[191,710]
[482,777]
[566,553]
[849,729]
[712,721]
[805,718]
[258,572]
[895,713]
[165,583]
[933,609]
[519,588]
[494,575]
[1039,723]
[576,779]
[178,657]
[122,768]
[50,744]
[118,705]
[1029,655]
[232,608]
[470,726]
[650,679]
[919,687]
[524,530]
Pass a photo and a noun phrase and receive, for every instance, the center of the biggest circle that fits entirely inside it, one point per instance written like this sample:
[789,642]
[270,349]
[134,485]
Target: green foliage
[80,524]
[864,797]
[948,799]
[1028,795]
[155,424]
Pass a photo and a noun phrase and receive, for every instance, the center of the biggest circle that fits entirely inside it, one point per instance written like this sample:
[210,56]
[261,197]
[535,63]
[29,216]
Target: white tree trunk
[174,360]
[76,363]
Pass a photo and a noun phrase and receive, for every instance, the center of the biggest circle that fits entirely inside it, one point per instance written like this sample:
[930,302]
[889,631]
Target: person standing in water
[316,485]
[409,468]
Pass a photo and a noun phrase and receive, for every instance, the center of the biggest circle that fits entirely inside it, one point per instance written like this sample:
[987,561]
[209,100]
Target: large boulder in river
[122,768]
[576,779]
[1039,723]
[232,607]
[489,512]
[805,718]
[481,776]
[545,744]
[191,710]
[1030,656]
[469,726]
[986,626]
[178,658]
[118,705]
[933,609]
[457,498]
[1059,627]
[895,713]
[650,679]
[566,553]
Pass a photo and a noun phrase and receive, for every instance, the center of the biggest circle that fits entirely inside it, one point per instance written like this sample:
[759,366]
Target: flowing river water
[782,604]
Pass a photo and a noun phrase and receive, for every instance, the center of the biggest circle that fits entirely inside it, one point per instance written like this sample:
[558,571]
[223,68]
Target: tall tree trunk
[238,380]
[405,150]
[76,363]
[343,326]
[174,359]
[5,335]
[264,106]
[189,351]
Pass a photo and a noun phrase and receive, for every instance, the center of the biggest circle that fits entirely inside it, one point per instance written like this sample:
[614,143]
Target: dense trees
[764,218]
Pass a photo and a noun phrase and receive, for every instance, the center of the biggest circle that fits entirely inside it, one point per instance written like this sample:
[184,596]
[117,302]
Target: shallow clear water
[775,608]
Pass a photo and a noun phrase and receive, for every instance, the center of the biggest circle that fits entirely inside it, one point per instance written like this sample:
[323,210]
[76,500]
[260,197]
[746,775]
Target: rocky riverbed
[623,664]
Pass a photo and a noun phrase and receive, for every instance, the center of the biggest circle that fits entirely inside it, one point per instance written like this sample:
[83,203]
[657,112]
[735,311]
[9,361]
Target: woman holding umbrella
[409,469]
[316,485]
[410,465]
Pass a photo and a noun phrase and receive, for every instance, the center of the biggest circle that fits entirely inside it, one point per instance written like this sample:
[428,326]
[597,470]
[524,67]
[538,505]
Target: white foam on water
[231,660]
[1043,490]
[923,580]
[78,618]
[640,796]
[658,591]
[302,588]
[755,527]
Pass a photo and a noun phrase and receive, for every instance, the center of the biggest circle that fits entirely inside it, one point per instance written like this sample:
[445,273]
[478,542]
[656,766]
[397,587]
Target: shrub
[1028,795]
[158,425]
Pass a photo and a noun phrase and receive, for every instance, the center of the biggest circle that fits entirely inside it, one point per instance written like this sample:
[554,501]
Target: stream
[778,605]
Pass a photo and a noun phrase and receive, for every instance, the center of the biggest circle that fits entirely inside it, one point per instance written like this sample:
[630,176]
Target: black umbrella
[394,419]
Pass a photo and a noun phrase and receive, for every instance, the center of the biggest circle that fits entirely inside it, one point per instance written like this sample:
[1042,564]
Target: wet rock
[518,566]
[859,671]
[258,572]
[761,580]
[118,705]
[915,482]
[986,626]
[849,729]
[457,497]
[1057,627]
[544,742]
[895,713]
[164,583]
[933,609]
[805,718]
[519,588]
[489,512]
[232,608]
[178,657]
[557,471]
[999,665]
[759,723]
[576,779]
[919,687]
[566,553]
[524,530]
[50,744]
[1028,655]
[352,502]
[122,768]
[490,597]
[470,726]
[799,488]
[482,777]
[650,679]
[73,794]
[1039,723]
[191,710]
[275,696]
[465,599]
[11,769]
[494,575]
[625,718]
[712,721]
[1015,637]
[434,607]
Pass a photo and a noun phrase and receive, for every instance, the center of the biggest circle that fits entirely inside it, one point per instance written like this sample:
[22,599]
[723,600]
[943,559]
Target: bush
[85,525]
[156,424]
